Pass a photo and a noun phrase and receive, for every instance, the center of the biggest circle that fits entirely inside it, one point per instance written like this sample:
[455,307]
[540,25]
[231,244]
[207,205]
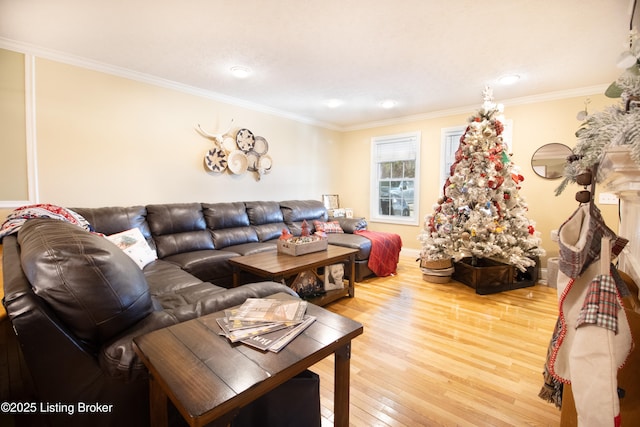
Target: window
[450,143]
[395,178]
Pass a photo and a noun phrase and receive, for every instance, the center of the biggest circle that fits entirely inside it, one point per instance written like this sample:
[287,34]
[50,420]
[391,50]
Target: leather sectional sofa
[76,300]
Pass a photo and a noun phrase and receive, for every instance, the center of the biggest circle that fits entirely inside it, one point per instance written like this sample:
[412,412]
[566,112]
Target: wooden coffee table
[277,267]
[209,379]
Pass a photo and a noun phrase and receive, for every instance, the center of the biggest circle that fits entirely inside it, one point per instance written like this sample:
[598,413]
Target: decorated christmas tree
[481,213]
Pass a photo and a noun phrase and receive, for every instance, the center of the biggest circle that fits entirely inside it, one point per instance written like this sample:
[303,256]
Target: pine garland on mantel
[614,126]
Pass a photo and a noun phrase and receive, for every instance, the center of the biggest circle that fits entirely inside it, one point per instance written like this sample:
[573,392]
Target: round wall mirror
[548,161]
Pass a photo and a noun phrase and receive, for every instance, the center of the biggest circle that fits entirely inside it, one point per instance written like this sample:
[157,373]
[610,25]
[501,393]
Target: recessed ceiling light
[240,72]
[508,79]
[334,103]
[388,103]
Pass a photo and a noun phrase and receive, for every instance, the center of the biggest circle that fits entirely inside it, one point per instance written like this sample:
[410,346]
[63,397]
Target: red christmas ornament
[499,127]
[507,196]
[531,230]
[517,178]
[495,183]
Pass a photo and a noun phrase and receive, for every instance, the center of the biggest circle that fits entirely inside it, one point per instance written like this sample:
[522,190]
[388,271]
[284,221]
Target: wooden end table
[277,267]
[209,379]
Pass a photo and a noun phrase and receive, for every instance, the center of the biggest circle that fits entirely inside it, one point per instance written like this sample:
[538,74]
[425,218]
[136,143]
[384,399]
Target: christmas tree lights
[482,214]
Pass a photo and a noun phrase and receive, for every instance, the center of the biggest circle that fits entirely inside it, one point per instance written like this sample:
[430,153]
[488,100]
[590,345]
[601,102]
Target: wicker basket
[435,279]
[437,275]
[436,264]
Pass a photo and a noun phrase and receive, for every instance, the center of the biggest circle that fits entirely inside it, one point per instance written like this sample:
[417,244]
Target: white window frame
[450,141]
[412,141]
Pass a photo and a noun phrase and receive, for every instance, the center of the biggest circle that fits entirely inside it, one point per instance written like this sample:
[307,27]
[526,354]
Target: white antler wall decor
[217,137]
[238,151]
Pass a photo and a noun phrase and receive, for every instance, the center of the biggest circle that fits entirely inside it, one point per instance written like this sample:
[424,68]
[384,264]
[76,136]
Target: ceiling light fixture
[509,79]
[334,103]
[240,72]
[388,103]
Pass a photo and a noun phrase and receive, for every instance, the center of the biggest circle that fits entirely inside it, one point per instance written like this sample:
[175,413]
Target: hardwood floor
[440,355]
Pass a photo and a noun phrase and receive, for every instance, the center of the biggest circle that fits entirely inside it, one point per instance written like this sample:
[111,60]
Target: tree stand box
[489,276]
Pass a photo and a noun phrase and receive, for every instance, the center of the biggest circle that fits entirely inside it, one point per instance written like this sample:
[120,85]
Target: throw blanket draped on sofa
[19,216]
[385,251]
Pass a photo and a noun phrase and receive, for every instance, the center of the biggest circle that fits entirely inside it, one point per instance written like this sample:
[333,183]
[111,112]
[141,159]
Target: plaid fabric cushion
[601,304]
[328,227]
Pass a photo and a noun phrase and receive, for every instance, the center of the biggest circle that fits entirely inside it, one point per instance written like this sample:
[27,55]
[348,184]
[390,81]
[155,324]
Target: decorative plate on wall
[265,163]
[229,143]
[237,162]
[245,140]
[252,161]
[216,160]
[260,146]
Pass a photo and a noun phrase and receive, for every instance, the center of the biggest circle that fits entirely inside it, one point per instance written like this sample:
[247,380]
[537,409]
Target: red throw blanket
[385,251]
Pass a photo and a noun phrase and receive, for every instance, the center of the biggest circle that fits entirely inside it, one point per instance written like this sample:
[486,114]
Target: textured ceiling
[427,55]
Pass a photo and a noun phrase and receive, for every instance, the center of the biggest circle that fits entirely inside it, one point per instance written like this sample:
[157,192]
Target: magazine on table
[270,310]
[265,323]
[233,323]
[240,334]
[277,340]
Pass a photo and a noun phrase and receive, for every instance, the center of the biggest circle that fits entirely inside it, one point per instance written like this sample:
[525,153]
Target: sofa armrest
[221,300]
[61,366]
[119,360]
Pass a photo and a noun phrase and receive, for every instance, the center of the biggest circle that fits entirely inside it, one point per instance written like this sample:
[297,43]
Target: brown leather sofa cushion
[229,224]
[266,218]
[295,212]
[178,228]
[112,220]
[92,285]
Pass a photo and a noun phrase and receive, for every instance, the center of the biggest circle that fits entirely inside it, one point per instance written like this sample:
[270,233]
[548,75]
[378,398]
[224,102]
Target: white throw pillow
[133,243]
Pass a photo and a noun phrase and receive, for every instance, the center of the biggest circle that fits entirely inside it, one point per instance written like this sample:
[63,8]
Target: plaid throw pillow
[328,227]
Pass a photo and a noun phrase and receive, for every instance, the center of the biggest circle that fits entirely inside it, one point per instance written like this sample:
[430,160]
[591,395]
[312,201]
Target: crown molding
[80,62]
[169,84]
[532,99]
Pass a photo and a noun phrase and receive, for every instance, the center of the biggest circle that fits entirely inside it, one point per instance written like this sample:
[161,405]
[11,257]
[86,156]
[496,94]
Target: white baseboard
[410,253]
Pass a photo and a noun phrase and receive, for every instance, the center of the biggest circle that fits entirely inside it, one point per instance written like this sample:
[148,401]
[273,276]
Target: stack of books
[266,324]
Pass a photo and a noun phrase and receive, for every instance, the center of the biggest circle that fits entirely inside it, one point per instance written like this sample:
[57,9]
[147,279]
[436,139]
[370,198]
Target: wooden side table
[209,379]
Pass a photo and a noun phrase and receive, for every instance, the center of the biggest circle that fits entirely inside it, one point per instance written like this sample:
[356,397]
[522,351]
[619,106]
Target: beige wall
[534,124]
[106,140]
[13,153]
